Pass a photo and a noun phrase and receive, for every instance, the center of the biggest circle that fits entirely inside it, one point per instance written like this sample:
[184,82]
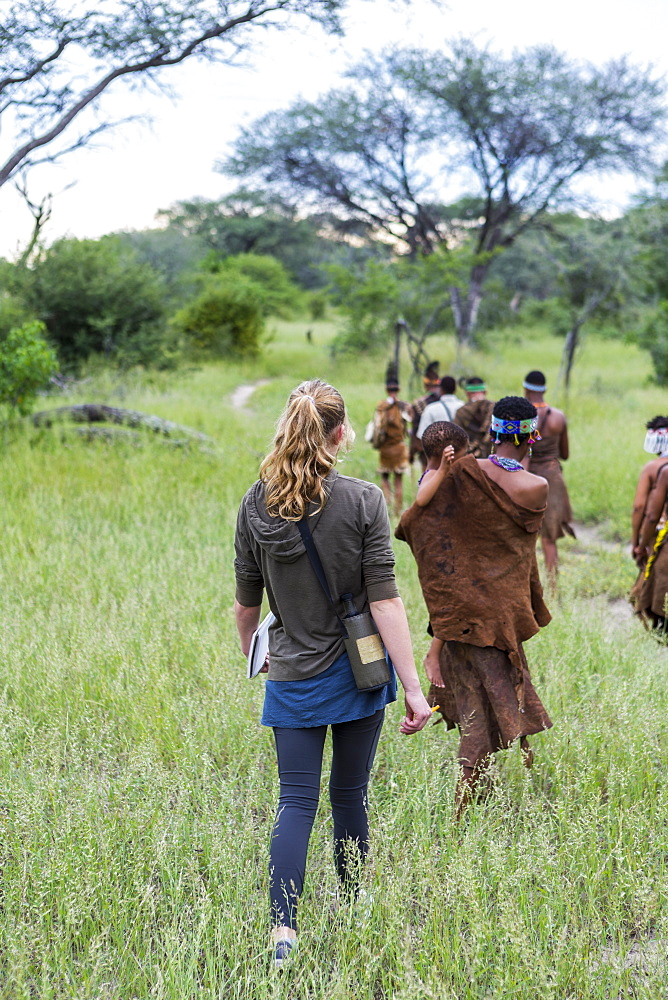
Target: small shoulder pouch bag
[361,637]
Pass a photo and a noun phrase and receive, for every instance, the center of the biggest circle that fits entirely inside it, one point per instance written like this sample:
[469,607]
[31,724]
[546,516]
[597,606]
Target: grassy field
[138,788]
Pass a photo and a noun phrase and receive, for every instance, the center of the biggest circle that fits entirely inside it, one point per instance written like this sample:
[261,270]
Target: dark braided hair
[513,408]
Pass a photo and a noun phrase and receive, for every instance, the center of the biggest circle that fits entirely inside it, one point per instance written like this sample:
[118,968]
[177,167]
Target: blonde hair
[304,452]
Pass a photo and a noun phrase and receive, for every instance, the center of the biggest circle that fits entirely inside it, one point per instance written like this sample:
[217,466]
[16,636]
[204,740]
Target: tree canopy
[254,222]
[56,59]
[415,128]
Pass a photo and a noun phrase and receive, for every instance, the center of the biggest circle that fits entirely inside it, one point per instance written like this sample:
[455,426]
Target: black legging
[299,753]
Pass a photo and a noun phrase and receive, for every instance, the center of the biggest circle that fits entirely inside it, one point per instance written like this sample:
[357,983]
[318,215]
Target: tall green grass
[137,787]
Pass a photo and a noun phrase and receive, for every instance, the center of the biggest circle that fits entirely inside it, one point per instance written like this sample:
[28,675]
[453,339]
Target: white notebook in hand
[259,647]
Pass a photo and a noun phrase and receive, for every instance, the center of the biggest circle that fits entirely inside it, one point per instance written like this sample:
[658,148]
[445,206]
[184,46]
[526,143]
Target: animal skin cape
[475,550]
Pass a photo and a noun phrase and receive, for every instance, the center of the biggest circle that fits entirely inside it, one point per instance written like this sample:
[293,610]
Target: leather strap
[315,561]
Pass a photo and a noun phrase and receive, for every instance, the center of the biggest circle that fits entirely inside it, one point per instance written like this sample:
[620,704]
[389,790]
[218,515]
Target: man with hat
[475,416]
[545,459]
[392,418]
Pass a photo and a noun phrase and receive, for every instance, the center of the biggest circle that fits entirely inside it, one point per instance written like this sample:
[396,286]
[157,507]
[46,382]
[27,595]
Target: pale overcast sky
[139,169]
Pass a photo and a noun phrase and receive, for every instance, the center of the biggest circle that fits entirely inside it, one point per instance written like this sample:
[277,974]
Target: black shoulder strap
[447,409]
[545,415]
[314,559]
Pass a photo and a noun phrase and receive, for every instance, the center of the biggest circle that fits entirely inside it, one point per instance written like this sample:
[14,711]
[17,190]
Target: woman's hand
[418,713]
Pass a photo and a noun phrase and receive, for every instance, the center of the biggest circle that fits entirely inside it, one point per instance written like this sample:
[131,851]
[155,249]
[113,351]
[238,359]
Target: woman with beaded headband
[650,531]
[547,455]
[656,443]
[310,685]
[475,548]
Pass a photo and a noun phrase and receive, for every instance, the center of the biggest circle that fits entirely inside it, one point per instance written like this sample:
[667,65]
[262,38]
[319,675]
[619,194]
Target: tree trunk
[465,304]
[570,347]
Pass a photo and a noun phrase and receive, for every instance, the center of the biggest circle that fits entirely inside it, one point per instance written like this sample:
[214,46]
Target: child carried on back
[443,444]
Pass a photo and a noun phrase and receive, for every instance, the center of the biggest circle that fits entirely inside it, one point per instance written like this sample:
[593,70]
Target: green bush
[654,337]
[317,305]
[226,319]
[278,295]
[13,313]
[98,297]
[26,364]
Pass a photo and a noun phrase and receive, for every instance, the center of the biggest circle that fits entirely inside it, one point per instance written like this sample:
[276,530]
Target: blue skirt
[324,700]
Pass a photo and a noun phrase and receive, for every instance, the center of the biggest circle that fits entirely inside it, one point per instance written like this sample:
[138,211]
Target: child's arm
[433,478]
[432,662]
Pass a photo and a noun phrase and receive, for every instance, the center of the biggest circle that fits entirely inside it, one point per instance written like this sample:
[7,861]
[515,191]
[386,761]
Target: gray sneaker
[282,951]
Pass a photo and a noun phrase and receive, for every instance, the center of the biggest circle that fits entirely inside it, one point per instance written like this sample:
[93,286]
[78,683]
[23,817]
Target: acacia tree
[414,127]
[57,59]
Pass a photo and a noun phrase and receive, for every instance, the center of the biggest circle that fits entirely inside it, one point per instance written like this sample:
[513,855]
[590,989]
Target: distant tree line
[344,204]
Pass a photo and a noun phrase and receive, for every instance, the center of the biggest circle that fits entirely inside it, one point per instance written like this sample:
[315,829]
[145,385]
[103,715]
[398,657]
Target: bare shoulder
[662,479]
[536,489]
[556,420]
[524,488]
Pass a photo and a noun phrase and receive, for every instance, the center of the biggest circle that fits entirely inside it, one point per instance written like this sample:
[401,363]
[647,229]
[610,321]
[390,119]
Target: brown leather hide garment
[475,550]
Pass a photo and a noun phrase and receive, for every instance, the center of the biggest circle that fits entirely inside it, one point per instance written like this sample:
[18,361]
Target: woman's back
[351,534]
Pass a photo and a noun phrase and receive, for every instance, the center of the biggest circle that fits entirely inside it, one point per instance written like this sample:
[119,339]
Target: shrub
[279,295]
[26,364]
[225,319]
[317,305]
[654,337]
[97,297]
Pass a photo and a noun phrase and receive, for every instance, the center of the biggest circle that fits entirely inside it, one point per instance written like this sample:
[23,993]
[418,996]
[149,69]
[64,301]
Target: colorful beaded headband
[656,441]
[513,426]
[475,387]
[532,387]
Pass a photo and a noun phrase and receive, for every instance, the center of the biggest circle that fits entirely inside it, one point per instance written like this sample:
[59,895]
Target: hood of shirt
[280,539]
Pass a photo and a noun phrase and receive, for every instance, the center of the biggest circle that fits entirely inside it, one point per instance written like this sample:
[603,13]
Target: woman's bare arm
[640,503]
[655,504]
[247,620]
[390,618]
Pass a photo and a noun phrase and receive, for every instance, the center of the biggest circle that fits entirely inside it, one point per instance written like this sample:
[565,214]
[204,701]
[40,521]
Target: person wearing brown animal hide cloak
[475,548]
[549,452]
[392,418]
[650,593]
[475,416]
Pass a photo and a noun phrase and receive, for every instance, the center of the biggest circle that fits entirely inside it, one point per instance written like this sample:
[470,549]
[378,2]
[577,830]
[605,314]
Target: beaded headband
[656,441]
[475,387]
[532,387]
[500,426]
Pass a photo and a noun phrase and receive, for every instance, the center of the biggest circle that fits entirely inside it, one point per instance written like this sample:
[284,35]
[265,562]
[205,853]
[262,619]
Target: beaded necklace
[509,464]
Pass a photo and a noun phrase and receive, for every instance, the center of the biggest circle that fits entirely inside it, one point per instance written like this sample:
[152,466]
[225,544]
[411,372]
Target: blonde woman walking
[310,684]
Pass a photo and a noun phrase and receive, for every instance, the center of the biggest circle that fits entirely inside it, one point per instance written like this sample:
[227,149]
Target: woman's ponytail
[304,452]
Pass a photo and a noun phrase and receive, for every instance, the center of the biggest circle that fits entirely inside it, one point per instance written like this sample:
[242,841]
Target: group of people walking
[318,543]
[398,430]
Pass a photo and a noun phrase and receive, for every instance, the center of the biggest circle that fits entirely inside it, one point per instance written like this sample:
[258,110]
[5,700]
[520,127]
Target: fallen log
[100,413]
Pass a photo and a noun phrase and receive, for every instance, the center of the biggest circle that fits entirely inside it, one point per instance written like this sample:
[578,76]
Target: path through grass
[137,787]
